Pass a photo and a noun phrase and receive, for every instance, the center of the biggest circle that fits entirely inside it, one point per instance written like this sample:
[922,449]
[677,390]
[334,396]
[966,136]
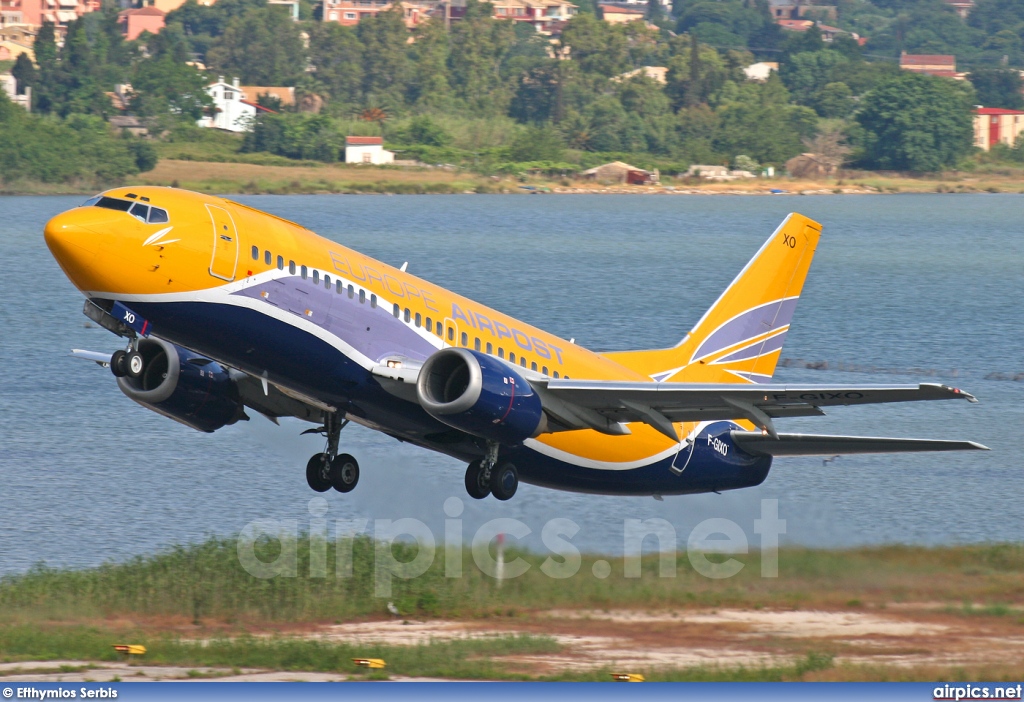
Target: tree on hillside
[759,121]
[25,73]
[387,68]
[694,74]
[164,84]
[335,53]
[1003,22]
[479,47]
[998,87]
[915,122]
[79,77]
[204,23]
[429,87]
[596,46]
[806,74]
[261,47]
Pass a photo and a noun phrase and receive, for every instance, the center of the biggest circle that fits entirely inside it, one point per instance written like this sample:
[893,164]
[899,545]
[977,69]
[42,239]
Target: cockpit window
[140,211]
[114,204]
[153,215]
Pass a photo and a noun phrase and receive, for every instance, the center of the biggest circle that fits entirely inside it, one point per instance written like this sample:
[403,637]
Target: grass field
[892,613]
[233,173]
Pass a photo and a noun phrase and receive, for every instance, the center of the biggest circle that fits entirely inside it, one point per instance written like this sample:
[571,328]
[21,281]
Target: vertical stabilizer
[740,338]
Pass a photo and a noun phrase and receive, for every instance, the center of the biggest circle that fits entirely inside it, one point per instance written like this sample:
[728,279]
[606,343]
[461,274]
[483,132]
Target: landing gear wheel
[317,471]
[476,486]
[135,364]
[504,481]
[119,364]
[344,473]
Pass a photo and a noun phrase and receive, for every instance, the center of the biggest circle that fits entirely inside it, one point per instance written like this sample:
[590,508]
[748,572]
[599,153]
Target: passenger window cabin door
[225,244]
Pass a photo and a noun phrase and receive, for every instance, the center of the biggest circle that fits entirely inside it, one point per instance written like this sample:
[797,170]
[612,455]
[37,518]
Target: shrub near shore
[206,582]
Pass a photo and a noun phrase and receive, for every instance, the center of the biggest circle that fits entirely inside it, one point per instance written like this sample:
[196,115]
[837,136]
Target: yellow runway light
[627,677]
[130,649]
[369,662]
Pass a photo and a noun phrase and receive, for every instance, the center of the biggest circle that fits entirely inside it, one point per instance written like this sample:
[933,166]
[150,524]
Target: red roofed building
[137,20]
[350,12]
[616,14]
[368,150]
[994,125]
[942,65]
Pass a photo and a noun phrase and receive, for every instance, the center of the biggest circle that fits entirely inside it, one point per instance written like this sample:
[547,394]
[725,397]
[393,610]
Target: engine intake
[480,395]
[184,386]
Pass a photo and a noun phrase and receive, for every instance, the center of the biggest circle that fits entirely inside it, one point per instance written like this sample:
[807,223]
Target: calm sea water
[903,288]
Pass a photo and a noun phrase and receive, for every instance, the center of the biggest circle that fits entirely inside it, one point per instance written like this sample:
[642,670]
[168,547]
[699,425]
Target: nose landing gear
[127,363]
[331,469]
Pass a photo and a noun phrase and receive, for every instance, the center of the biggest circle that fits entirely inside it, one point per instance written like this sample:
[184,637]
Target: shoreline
[231,178]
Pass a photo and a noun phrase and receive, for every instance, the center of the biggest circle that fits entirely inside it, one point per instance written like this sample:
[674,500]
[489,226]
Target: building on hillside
[18,33]
[367,150]
[292,6]
[137,20]
[942,65]
[168,6]
[9,87]
[761,71]
[800,9]
[828,33]
[656,73]
[617,14]
[962,7]
[350,12]
[994,125]
[542,15]
[11,50]
[619,172]
[285,95]
[232,110]
[811,166]
[133,125]
[35,12]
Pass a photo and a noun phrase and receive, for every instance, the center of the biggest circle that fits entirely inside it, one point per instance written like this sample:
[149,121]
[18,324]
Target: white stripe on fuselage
[225,295]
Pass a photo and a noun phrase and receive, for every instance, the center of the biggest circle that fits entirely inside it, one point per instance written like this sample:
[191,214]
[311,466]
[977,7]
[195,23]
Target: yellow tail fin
[740,338]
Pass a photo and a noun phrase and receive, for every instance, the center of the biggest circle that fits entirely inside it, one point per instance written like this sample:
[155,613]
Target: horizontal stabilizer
[102,359]
[825,445]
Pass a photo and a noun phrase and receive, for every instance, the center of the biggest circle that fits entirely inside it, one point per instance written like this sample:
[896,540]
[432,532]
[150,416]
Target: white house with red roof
[232,108]
[368,150]
[994,125]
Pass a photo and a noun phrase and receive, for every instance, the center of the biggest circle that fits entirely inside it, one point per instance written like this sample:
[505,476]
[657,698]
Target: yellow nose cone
[74,246]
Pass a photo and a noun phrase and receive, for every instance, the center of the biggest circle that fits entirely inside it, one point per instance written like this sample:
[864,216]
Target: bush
[80,148]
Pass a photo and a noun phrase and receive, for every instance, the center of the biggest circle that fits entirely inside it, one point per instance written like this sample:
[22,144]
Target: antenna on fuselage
[404,266]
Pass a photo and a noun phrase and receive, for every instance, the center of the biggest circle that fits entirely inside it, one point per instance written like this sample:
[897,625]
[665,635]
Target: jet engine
[184,386]
[480,395]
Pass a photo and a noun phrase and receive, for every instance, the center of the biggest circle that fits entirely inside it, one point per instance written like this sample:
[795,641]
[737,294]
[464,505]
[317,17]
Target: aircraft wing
[660,404]
[823,445]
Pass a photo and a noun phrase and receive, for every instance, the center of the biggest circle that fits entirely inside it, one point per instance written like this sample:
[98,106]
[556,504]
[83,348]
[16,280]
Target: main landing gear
[485,476]
[332,469]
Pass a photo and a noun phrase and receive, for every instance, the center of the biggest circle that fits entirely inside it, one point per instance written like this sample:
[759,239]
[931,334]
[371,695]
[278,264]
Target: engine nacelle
[480,395]
[184,386]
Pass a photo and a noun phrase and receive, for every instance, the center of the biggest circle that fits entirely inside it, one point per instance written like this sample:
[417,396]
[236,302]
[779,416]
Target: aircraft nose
[74,246]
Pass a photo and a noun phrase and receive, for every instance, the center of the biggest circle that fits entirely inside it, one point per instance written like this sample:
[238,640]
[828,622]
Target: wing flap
[657,404]
[826,445]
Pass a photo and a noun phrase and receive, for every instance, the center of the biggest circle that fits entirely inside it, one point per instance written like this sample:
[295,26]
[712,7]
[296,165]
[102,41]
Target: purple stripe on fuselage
[754,350]
[373,332]
[754,322]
